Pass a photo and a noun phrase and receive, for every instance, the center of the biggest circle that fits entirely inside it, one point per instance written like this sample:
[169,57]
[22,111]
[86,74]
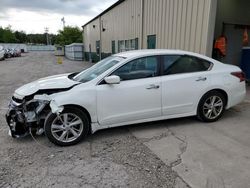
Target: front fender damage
[55,108]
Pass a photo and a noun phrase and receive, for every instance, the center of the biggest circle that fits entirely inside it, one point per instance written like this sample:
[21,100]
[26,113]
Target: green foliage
[69,35]
[40,39]
[7,35]
[21,36]
[36,38]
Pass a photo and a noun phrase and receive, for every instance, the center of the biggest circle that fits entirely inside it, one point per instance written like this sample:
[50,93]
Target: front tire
[68,128]
[211,106]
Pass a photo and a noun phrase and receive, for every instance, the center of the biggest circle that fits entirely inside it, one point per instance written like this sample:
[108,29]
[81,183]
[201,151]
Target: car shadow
[116,132]
[186,121]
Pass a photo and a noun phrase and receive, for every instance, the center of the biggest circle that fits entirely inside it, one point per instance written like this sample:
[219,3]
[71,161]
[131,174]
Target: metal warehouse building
[190,25]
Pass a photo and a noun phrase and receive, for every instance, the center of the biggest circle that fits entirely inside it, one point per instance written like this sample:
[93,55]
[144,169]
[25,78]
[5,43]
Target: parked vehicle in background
[126,88]
[1,53]
[12,52]
[17,53]
[8,53]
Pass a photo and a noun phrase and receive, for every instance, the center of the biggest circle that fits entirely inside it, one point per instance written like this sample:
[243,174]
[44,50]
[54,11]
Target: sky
[33,16]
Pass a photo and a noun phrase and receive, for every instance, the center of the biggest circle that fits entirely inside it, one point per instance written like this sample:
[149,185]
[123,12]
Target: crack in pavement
[183,148]
[157,137]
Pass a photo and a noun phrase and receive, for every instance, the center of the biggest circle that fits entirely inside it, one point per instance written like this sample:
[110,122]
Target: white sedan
[126,88]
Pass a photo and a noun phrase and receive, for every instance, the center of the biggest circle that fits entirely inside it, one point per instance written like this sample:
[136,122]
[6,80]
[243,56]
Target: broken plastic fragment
[55,109]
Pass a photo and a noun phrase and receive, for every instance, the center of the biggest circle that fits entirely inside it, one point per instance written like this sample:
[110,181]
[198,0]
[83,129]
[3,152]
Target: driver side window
[145,67]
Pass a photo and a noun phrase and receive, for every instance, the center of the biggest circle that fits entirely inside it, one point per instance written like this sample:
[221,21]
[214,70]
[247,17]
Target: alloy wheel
[67,127]
[213,107]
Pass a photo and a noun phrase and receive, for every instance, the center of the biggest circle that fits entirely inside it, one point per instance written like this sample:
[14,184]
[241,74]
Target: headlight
[14,104]
[19,101]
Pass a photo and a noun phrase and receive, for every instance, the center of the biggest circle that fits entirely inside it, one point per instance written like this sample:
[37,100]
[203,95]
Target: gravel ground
[109,158]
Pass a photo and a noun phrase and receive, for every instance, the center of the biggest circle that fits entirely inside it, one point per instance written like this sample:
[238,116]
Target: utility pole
[47,34]
[63,21]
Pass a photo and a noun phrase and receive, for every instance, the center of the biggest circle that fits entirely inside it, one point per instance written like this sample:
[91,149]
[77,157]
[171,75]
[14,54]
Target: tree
[69,35]
[66,36]
[1,34]
[36,38]
[7,35]
[21,36]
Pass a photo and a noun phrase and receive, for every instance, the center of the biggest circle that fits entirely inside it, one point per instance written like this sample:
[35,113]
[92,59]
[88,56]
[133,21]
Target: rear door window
[184,64]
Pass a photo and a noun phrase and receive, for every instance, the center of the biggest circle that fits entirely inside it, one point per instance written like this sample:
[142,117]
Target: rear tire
[68,128]
[211,106]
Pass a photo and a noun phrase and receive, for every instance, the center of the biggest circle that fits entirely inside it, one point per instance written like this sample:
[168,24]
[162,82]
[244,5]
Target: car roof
[140,53]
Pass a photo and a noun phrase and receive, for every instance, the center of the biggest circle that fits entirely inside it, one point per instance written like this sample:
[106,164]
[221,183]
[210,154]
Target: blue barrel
[245,61]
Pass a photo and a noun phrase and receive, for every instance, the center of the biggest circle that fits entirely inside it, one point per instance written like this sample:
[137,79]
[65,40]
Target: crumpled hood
[53,82]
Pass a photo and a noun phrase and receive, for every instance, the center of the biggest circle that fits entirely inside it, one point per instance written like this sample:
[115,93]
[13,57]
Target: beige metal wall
[121,23]
[91,34]
[177,24]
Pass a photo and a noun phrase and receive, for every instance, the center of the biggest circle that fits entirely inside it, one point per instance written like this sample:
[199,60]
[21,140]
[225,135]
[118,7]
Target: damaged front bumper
[16,120]
[23,116]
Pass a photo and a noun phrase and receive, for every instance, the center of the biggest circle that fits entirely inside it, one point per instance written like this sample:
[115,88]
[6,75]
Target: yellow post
[59,60]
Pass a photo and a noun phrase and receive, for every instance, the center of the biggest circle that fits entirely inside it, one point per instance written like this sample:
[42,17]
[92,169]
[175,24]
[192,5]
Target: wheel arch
[218,90]
[80,108]
[200,114]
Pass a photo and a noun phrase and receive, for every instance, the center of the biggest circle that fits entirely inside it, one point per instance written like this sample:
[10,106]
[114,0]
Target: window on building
[132,44]
[151,41]
[184,64]
[121,46]
[136,44]
[127,45]
[113,47]
[140,68]
[98,47]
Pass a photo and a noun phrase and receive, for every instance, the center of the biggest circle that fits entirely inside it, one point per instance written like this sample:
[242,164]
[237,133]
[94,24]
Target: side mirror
[112,79]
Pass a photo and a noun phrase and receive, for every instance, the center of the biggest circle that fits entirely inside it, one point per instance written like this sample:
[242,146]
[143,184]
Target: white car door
[184,80]
[138,96]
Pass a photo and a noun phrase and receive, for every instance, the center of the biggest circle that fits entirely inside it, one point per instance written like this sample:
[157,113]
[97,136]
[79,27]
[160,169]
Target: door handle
[201,79]
[153,86]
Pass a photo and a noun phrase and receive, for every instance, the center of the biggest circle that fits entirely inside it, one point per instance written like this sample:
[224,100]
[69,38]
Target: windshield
[96,70]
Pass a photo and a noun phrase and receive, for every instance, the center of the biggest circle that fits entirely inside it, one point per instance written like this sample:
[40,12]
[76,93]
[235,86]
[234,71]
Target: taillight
[239,75]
